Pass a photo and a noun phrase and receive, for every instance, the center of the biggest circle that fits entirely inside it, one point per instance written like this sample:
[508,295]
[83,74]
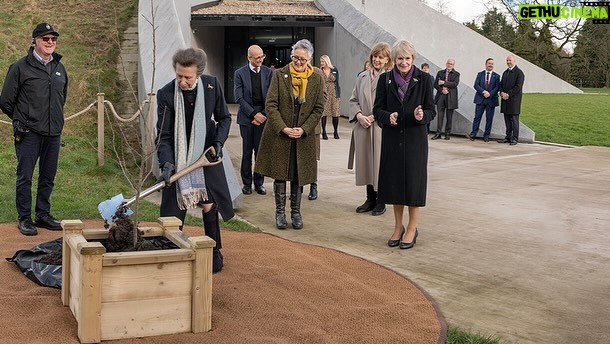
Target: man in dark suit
[486,85]
[251,85]
[511,88]
[446,98]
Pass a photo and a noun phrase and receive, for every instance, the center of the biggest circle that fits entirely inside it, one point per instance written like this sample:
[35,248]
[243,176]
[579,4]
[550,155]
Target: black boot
[336,127]
[324,135]
[313,191]
[371,198]
[295,205]
[279,190]
[211,228]
[379,209]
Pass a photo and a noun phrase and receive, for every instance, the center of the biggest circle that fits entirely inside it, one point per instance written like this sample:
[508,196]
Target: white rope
[112,110]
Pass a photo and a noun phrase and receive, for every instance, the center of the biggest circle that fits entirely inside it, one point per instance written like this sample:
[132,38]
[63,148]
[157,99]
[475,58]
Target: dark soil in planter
[120,239]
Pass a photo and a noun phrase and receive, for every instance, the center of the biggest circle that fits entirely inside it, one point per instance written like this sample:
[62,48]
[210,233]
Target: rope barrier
[106,102]
[105,105]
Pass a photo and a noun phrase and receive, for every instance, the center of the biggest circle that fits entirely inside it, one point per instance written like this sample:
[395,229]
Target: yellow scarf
[299,81]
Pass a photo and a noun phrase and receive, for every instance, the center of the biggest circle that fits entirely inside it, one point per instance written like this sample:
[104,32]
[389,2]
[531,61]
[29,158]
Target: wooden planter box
[136,294]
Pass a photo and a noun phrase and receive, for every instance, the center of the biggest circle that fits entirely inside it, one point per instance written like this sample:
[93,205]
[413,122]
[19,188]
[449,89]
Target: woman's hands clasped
[293,133]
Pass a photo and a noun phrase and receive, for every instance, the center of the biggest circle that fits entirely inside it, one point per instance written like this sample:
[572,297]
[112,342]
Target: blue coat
[494,88]
[243,92]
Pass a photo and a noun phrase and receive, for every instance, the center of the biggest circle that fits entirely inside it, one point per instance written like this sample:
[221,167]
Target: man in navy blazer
[487,85]
[251,85]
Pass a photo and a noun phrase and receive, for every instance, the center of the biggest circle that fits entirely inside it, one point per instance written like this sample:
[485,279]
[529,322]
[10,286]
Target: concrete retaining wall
[361,23]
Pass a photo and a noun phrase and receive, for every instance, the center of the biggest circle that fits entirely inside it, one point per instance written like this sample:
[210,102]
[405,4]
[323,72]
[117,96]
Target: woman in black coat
[192,116]
[403,107]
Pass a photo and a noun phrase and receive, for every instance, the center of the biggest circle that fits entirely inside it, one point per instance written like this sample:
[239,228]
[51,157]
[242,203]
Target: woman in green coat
[287,149]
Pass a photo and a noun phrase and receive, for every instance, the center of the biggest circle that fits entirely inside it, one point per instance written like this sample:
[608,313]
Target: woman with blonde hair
[404,106]
[333,96]
[365,147]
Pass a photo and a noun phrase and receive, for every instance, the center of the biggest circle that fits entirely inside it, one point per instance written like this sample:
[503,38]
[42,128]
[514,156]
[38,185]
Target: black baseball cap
[44,29]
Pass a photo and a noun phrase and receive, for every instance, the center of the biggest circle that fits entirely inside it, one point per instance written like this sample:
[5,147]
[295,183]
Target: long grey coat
[273,155]
[365,147]
[403,171]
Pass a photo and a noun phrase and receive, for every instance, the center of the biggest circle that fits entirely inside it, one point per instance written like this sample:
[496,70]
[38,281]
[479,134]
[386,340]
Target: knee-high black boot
[371,198]
[324,135]
[336,127]
[279,191]
[296,192]
[211,228]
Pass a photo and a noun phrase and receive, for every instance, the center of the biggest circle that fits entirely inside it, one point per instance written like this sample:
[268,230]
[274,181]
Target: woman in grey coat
[287,152]
[404,106]
[365,147]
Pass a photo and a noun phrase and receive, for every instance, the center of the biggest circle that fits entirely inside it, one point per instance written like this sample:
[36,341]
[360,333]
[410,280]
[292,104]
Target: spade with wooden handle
[109,207]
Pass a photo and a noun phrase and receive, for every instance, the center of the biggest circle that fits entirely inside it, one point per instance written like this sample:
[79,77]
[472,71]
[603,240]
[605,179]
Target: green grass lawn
[573,119]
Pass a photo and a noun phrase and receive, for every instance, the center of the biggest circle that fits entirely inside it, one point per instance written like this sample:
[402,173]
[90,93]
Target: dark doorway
[276,43]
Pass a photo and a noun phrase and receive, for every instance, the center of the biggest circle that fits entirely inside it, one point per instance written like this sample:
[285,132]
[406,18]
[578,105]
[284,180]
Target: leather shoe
[447,137]
[504,141]
[261,190]
[27,227]
[394,243]
[246,190]
[48,222]
[313,193]
[470,137]
[436,137]
[486,139]
[406,245]
[365,207]
[512,143]
[379,209]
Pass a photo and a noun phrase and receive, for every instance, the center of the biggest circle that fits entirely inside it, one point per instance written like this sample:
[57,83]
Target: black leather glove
[166,172]
[218,154]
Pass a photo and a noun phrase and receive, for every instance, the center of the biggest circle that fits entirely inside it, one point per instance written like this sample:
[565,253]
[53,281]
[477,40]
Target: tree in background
[591,60]
[496,28]
[546,43]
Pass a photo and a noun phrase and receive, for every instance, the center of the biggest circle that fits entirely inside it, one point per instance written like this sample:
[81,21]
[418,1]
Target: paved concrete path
[513,240]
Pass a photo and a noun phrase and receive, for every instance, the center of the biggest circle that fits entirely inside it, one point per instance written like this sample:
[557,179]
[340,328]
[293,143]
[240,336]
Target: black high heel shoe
[406,245]
[394,243]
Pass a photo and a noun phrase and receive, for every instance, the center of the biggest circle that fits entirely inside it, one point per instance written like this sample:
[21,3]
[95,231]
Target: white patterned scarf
[190,189]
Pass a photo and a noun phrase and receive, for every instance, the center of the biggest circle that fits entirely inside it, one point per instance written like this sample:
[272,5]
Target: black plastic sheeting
[49,275]
[42,273]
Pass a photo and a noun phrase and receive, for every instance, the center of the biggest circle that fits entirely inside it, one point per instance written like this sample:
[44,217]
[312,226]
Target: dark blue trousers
[250,138]
[34,148]
[512,127]
[489,117]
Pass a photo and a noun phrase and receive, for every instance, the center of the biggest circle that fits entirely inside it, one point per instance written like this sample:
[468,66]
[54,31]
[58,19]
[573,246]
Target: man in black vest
[251,85]
[511,88]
